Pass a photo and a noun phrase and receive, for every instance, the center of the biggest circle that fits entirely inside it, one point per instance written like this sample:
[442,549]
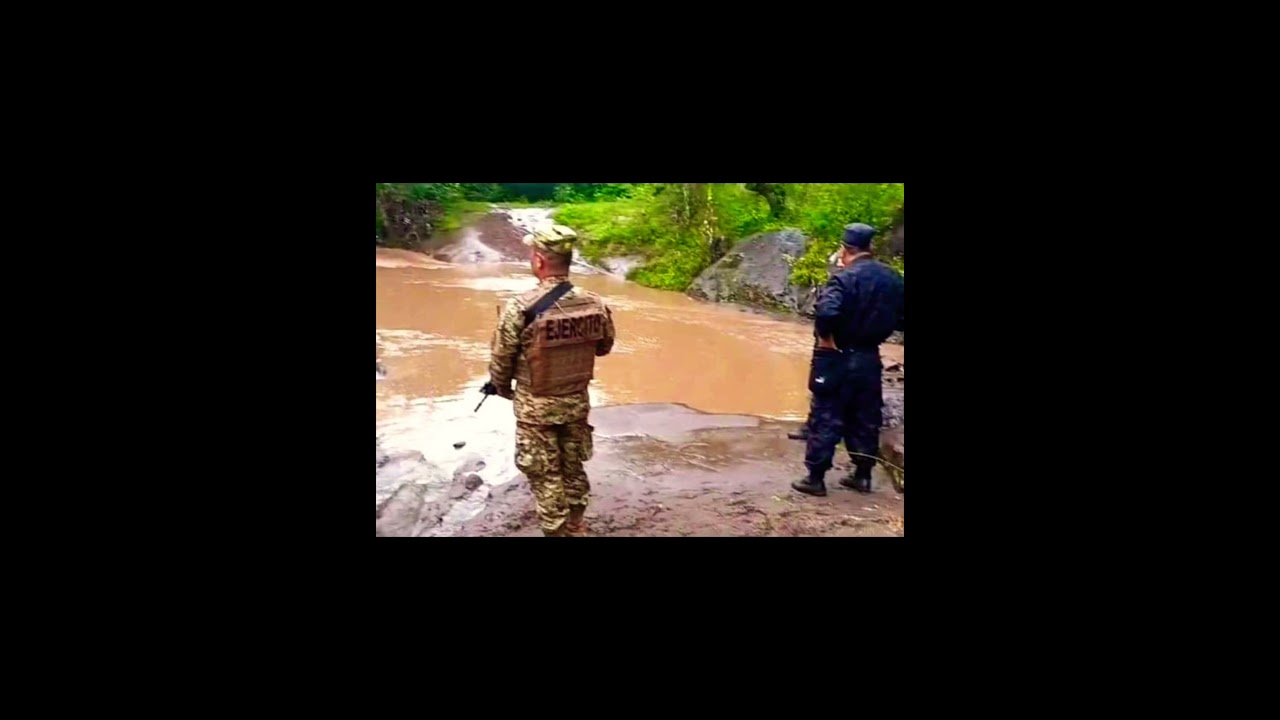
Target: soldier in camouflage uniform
[553,438]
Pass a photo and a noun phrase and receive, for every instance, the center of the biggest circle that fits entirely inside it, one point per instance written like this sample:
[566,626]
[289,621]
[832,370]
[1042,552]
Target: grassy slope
[645,225]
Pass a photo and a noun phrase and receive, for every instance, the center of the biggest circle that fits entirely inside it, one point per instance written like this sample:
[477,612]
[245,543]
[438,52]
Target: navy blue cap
[858,235]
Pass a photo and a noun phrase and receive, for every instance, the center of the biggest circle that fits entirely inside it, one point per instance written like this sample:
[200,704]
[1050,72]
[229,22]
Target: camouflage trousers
[551,456]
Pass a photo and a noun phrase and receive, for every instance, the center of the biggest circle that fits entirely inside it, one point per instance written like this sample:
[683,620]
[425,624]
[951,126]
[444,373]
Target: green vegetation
[681,228]
[822,210]
[455,212]
[587,192]
[897,264]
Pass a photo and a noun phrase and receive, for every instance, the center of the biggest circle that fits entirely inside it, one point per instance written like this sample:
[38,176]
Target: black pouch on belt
[827,371]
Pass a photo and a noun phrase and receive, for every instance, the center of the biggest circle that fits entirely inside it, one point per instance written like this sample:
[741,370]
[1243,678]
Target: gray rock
[463,486]
[472,463]
[407,514]
[895,407]
[404,468]
[399,465]
[757,272]
[510,490]
[398,516]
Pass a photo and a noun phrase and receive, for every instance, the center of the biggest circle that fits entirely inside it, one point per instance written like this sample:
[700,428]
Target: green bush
[443,193]
[666,223]
[811,268]
[822,210]
[644,225]
[675,268]
[618,227]
[739,212]
[489,192]
[455,213]
[590,192]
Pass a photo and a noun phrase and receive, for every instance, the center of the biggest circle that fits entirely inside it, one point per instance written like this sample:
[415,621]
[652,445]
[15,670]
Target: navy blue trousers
[851,413]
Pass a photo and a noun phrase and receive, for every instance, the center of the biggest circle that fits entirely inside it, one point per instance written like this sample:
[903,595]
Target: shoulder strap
[546,301]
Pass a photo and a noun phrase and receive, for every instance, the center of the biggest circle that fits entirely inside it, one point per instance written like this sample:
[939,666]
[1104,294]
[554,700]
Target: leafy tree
[773,193]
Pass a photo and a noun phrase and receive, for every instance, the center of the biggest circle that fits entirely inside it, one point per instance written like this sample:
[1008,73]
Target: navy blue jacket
[861,305]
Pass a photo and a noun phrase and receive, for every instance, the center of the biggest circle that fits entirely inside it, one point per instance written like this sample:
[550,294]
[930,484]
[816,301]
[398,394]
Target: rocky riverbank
[659,469]
[667,470]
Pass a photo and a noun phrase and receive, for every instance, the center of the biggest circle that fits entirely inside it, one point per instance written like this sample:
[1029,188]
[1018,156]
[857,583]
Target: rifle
[488,389]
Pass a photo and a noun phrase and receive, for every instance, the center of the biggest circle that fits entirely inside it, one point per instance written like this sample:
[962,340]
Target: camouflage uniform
[553,438]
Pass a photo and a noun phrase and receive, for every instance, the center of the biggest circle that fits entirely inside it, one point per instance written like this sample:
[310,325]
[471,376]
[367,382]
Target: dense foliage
[823,209]
[679,228]
[682,228]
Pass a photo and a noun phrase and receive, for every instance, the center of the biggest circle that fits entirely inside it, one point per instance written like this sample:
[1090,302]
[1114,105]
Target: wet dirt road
[665,470]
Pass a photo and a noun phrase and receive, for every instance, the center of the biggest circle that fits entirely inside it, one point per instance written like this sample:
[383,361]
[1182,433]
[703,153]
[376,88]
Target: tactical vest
[558,349]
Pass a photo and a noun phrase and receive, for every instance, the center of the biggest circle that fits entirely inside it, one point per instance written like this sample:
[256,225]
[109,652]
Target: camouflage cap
[553,238]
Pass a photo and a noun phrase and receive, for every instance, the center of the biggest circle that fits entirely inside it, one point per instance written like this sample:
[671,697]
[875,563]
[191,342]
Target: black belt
[854,348]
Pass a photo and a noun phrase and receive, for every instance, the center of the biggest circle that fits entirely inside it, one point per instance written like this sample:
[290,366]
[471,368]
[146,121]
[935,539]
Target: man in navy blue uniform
[857,310]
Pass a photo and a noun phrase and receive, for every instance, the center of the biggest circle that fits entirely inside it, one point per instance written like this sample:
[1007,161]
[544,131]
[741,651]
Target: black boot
[801,434]
[859,479]
[810,486]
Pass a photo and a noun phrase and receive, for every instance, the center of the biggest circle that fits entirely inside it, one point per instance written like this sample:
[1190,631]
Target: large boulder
[398,516]
[401,508]
[757,272]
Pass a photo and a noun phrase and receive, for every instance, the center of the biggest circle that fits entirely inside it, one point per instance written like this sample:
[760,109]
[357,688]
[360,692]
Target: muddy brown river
[434,321]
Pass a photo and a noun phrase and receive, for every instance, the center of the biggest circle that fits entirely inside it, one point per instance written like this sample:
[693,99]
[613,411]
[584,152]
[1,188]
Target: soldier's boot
[860,478]
[801,434]
[811,486]
[576,525]
[562,531]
